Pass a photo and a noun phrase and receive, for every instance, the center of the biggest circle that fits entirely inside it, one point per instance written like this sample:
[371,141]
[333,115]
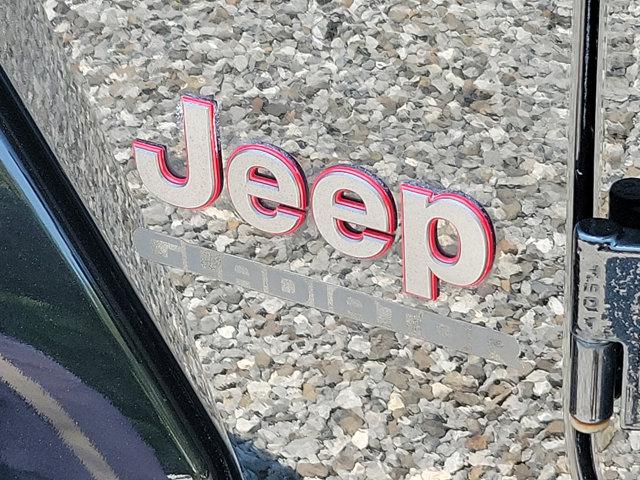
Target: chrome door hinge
[605,328]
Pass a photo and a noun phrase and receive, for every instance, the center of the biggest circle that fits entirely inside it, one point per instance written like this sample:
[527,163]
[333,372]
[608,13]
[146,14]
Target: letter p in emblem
[425,264]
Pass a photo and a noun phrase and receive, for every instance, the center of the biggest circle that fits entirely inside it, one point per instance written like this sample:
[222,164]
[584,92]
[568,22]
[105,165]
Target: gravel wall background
[472,95]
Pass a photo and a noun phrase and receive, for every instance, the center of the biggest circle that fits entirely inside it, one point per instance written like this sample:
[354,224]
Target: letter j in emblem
[203,183]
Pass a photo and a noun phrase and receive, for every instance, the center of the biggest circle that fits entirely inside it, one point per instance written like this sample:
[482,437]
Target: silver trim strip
[438,329]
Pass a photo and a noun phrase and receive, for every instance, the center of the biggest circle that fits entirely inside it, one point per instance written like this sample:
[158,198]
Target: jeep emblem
[353,209]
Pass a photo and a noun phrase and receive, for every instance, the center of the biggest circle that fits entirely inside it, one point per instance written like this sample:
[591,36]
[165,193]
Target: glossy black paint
[63,295]
[587,106]
[581,196]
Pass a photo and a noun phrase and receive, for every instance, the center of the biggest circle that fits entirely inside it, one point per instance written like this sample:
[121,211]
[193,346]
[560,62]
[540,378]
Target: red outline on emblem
[343,227]
[485,221]
[161,152]
[379,186]
[432,232]
[298,175]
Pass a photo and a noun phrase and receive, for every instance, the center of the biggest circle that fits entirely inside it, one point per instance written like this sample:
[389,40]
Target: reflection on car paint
[62,428]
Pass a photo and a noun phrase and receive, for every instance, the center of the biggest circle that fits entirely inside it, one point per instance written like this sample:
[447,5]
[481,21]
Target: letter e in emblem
[354,211]
[267,188]
[424,262]
[203,182]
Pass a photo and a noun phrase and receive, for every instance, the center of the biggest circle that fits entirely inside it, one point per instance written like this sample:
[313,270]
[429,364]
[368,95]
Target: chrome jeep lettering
[422,209]
[353,209]
[203,183]
[333,211]
[286,187]
[459,335]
